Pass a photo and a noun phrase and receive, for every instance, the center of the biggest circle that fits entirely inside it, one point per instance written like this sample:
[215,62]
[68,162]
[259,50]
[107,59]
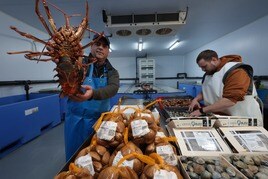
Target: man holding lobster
[100,84]
[100,80]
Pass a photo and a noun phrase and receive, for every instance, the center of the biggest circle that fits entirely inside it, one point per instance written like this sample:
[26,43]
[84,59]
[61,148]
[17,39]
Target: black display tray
[175,112]
[175,108]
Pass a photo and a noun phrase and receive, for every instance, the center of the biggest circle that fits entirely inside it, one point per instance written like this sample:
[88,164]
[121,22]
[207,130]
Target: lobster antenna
[67,18]
[95,32]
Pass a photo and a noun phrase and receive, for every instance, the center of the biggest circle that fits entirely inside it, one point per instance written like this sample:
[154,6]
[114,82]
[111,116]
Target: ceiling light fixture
[110,50]
[174,45]
[140,46]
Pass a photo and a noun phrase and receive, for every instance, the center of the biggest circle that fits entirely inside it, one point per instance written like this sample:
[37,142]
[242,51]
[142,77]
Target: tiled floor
[41,158]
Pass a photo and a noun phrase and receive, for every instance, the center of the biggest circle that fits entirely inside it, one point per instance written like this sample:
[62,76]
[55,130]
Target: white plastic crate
[146,70]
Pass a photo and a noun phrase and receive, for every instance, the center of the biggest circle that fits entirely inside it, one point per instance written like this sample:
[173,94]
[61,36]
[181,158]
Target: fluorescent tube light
[110,50]
[174,45]
[140,46]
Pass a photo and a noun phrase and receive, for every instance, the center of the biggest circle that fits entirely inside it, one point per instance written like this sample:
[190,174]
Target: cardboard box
[200,142]
[186,122]
[229,121]
[246,139]
[223,162]
[210,121]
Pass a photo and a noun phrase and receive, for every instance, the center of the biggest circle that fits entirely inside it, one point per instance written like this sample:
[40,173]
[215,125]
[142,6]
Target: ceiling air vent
[168,17]
[163,31]
[121,19]
[123,33]
[143,32]
[146,24]
[147,19]
[144,18]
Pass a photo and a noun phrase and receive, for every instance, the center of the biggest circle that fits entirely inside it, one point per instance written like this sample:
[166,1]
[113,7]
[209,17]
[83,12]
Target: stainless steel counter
[130,88]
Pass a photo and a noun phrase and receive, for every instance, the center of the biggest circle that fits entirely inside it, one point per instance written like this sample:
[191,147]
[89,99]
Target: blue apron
[81,116]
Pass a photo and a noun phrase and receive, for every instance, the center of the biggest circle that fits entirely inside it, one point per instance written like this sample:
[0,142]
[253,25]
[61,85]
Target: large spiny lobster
[64,46]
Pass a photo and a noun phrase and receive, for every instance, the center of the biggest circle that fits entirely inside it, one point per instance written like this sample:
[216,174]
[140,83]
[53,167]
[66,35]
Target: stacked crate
[146,69]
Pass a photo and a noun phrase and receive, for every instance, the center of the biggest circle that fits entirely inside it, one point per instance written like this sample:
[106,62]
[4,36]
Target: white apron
[212,89]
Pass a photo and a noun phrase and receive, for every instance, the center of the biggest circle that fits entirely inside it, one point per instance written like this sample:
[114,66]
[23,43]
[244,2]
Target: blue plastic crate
[62,101]
[63,107]
[188,88]
[263,94]
[12,129]
[23,120]
[198,89]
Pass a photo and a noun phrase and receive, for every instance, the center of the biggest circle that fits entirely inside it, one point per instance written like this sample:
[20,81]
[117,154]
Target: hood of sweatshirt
[229,58]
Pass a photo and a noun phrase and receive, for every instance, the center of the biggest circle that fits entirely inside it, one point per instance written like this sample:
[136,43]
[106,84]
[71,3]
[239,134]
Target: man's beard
[210,72]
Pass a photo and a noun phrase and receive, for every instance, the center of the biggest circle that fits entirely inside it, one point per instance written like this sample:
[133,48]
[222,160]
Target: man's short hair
[206,55]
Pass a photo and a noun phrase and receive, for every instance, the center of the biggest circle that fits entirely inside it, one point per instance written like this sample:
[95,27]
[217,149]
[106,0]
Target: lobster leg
[28,36]
[26,51]
[42,60]
[30,55]
[41,17]
[49,16]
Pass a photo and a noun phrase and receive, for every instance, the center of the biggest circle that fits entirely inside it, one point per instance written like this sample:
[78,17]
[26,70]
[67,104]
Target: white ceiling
[206,21]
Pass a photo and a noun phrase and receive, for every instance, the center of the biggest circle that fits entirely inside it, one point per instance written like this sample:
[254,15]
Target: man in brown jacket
[227,87]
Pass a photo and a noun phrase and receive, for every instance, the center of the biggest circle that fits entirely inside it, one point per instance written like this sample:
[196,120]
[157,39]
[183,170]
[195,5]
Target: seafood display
[251,165]
[123,150]
[110,128]
[160,169]
[163,148]
[174,113]
[122,147]
[208,167]
[176,102]
[175,106]
[94,158]
[64,46]
[118,172]
[143,128]
[138,147]
[75,172]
